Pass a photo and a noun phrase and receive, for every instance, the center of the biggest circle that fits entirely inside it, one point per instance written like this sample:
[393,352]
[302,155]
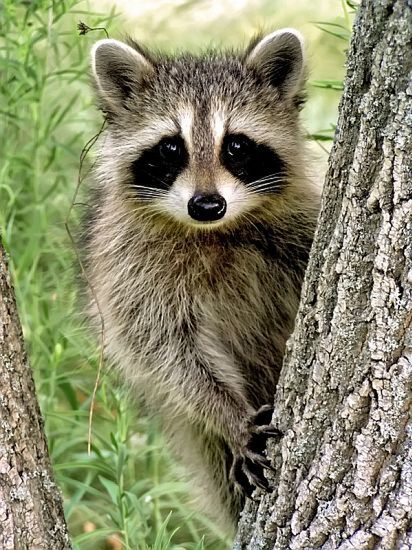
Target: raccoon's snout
[206,208]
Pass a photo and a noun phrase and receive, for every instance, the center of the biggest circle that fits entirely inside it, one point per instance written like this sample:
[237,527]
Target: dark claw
[261,423]
[263,416]
[247,471]
[264,463]
[256,474]
[257,479]
[240,479]
[269,431]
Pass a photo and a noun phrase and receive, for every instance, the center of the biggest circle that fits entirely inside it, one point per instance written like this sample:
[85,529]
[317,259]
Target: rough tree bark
[31,511]
[344,467]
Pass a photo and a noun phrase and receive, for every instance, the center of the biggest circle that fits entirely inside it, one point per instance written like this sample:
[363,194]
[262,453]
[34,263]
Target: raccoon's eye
[238,145]
[159,166]
[170,149]
[256,164]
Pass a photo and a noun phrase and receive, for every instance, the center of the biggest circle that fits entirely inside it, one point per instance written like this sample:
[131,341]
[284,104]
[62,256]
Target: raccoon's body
[197,242]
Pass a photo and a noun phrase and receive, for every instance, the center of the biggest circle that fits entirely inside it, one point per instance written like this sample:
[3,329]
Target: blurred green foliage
[127,493]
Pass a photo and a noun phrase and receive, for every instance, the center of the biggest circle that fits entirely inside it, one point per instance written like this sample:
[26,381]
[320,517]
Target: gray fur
[196,318]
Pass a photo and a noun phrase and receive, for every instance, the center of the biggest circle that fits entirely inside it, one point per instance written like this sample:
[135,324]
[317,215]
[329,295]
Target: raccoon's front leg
[221,407]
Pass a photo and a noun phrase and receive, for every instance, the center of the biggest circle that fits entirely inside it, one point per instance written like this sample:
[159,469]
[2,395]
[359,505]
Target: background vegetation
[127,493]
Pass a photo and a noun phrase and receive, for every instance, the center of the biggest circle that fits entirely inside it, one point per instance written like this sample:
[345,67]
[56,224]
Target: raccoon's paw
[249,462]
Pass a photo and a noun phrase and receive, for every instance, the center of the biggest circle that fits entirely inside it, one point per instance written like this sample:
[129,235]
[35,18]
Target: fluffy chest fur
[230,301]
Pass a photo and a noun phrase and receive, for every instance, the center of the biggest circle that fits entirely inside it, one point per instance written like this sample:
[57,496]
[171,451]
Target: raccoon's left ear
[279,58]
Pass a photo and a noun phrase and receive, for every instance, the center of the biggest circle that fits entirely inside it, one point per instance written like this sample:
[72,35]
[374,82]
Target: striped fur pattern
[197,313]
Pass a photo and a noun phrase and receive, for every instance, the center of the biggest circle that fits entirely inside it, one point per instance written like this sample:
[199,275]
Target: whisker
[142,195]
[267,177]
[265,189]
[147,193]
[156,178]
[278,177]
[263,178]
[145,198]
[266,184]
[247,216]
[273,183]
[136,186]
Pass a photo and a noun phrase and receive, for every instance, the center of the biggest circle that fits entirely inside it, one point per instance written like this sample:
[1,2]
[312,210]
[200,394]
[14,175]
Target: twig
[80,179]
[84,29]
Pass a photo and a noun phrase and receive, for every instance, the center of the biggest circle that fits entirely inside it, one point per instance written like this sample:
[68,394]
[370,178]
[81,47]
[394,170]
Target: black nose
[206,208]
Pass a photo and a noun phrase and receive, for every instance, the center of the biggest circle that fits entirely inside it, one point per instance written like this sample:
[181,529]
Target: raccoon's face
[202,140]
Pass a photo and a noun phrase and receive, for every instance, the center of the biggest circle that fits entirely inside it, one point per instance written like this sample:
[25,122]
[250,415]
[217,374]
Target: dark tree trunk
[31,511]
[344,466]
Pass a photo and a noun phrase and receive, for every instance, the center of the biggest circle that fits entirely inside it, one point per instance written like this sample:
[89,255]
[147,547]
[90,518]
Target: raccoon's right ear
[279,58]
[118,71]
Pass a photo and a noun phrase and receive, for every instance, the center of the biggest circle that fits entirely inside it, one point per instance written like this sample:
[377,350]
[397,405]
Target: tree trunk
[344,467]
[31,511]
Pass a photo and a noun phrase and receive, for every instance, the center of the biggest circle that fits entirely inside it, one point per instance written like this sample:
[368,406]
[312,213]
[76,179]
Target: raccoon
[196,242]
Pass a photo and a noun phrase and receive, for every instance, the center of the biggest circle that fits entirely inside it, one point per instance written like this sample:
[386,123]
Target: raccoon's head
[202,141]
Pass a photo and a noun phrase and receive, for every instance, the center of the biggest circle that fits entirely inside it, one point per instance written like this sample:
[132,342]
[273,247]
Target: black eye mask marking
[256,165]
[158,167]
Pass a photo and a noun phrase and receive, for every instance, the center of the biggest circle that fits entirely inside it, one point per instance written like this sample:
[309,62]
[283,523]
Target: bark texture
[344,467]
[31,511]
